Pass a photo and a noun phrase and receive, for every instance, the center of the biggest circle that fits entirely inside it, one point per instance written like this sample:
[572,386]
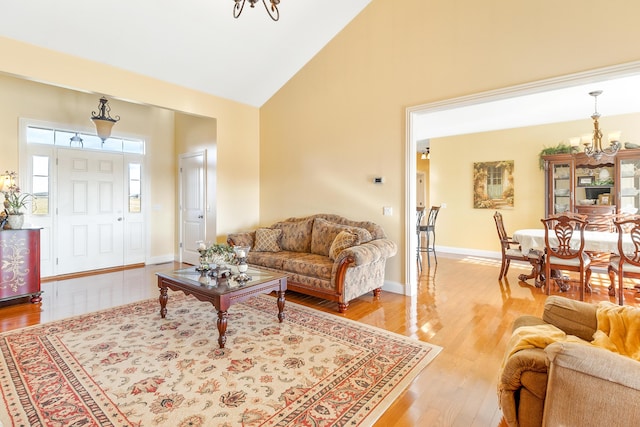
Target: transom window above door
[70,139]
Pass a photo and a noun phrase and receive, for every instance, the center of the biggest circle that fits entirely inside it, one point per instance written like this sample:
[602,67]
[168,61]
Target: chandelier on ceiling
[594,148]
[273,11]
[103,120]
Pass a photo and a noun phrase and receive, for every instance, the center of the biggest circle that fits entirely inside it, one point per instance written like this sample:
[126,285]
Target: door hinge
[180,245]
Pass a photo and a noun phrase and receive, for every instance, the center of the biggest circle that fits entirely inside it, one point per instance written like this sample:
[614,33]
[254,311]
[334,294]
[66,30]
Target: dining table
[594,241]
[532,242]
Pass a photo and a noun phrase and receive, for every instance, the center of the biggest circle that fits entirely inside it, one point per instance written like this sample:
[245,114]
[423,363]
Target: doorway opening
[499,109]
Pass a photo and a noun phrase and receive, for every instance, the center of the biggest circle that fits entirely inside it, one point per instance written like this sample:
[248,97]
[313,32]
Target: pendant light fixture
[594,148]
[103,120]
[273,11]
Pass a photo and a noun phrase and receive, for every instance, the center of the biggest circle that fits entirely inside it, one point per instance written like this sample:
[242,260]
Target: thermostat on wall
[378,180]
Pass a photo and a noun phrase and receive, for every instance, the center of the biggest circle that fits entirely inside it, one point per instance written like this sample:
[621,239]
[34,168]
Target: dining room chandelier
[103,120]
[273,11]
[594,147]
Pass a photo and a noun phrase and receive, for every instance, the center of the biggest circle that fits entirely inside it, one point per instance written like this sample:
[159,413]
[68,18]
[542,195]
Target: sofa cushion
[325,232]
[310,265]
[345,239]
[296,235]
[272,260]
[267,240]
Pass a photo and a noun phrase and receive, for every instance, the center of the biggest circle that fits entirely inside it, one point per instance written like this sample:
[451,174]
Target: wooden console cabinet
[20,264]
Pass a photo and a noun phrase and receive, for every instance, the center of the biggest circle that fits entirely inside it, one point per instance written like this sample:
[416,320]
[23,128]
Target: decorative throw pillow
[345,239]
[267,240]
[296,235]
[323,234]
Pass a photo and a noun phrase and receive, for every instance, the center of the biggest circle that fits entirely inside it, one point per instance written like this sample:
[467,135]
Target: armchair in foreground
[556,371]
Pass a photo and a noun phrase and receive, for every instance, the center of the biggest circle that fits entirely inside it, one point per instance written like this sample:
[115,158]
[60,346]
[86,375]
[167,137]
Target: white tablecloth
[596,241]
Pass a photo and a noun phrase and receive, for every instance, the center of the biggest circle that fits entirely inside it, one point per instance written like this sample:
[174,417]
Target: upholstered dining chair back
[562,252]
[627,262]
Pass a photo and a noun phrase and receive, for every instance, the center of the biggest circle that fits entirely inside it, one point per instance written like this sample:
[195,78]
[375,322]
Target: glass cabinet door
[561,187]
[629,185]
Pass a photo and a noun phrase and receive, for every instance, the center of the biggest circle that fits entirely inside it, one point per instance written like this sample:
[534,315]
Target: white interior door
[90,211]
[192,205]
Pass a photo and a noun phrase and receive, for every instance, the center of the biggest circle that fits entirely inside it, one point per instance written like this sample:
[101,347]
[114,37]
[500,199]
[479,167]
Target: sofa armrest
[524,369]
[573,317]
[367,253]
[595,362]
[387,248]
[583,378]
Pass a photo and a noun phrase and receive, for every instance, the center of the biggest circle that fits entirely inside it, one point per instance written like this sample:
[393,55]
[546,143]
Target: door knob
[200,216]
[120,219]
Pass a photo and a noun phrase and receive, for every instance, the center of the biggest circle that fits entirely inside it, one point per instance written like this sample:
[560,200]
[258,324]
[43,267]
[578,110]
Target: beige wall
[341,119]
[237,130]
[317,144]
[454,186]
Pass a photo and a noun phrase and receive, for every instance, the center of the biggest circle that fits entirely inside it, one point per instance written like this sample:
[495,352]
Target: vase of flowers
[15,201]
[214,255]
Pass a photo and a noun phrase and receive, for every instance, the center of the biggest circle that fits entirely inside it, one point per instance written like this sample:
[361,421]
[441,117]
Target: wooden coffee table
[222,293]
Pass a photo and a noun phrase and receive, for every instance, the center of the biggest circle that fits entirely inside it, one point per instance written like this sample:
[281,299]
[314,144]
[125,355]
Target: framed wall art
[493,185]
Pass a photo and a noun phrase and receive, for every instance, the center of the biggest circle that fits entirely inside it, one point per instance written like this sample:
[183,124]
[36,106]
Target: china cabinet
[597,189]
[20,264]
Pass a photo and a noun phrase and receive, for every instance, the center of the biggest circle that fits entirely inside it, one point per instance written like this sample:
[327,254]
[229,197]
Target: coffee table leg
[222,328]
[163,302]
[280,306]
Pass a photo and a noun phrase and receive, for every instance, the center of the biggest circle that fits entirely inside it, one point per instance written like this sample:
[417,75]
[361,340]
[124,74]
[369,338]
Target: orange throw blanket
[618,329]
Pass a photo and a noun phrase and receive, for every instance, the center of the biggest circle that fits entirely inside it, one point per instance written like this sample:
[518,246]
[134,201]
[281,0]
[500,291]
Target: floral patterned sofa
[325,255]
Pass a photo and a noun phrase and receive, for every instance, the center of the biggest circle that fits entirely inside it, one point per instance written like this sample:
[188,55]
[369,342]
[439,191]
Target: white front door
[192,204]
[90,211]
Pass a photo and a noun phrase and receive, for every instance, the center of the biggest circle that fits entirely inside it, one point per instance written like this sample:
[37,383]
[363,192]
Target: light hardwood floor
[461,306]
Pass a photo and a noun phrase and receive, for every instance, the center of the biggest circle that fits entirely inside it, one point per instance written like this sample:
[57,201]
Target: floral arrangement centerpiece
[213,255]
[14,200]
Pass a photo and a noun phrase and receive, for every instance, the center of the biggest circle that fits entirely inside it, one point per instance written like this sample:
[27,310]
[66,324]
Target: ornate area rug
[128,367]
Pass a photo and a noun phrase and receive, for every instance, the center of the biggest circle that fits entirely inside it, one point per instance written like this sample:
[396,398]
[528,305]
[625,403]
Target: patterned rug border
[424,352]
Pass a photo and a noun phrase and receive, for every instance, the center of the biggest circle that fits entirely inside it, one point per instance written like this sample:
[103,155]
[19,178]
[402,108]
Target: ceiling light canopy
[103,120]
[273,11]
[594,147]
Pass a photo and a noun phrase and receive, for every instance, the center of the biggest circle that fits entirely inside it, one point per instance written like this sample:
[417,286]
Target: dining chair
[510,249]
[429,231]
[563,254]
[626,263]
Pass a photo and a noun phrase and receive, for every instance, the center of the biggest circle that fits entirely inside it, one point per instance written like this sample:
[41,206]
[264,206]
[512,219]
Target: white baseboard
[393,287]
[162,259]
[468,252]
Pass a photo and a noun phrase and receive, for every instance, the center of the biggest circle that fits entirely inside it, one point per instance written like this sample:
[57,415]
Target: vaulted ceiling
[193,43]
